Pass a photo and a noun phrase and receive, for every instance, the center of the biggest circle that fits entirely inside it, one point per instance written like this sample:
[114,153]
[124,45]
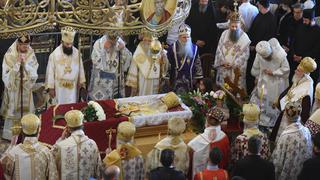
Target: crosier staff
[21,59]
[16,128]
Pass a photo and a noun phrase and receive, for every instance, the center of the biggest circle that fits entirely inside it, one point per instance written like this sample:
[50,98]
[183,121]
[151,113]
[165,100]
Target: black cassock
[305,113]
[306,42]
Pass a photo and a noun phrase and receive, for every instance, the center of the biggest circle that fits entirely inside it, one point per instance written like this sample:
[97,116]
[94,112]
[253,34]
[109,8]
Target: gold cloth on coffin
[159,105]
[140,109]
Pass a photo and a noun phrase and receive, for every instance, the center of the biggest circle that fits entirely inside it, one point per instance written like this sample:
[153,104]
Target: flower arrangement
[93,112]
[201,103]
[219,94]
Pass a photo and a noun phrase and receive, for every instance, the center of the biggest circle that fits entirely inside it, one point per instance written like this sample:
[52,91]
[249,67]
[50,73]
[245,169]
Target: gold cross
[289,95]
[109,133]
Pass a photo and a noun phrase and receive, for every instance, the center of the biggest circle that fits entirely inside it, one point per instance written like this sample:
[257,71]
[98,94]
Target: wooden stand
[151,131]
[147,137]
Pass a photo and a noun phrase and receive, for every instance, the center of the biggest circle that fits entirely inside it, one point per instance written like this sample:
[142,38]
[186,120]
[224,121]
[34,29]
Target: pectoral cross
[109,134]
[290,95]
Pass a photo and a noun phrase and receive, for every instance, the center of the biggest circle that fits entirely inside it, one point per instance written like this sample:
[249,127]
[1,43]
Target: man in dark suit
[167,172]
[253,167]
[311,167]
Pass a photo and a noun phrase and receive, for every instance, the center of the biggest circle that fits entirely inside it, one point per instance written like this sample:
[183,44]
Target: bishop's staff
[82,94]
[22,41]
[21,59]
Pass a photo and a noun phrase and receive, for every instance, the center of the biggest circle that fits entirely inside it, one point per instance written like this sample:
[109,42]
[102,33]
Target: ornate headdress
[293,110]
[30,124]
[74,118]
[214,116]
[126,131]
[251,113]
[170,100]
[68,34]
[146,34]
[308,65]
[24,38]
[235,16]
[264,49]
[176,126]
[184,30]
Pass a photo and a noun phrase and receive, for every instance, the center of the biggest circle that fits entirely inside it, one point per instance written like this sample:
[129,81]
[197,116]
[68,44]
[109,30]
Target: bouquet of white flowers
[94,112]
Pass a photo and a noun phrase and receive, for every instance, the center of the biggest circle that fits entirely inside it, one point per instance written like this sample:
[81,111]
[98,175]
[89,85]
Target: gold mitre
[67,34]
[16,127]
[184,30]
[74,118]
[317,93]
[112,158]
[251,112]
[126,131]
[30,124]
[235,17]
[170,100]
[176,126]
[308,65]
[146,34]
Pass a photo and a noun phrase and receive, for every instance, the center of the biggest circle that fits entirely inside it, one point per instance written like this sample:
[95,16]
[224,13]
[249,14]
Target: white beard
[146,49]
[185,49]
[296,79]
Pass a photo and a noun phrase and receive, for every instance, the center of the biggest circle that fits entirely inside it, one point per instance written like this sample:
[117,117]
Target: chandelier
[91,16]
